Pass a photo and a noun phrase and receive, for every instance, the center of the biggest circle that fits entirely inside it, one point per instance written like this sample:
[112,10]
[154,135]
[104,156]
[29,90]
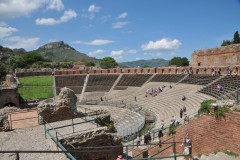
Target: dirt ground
[23,119]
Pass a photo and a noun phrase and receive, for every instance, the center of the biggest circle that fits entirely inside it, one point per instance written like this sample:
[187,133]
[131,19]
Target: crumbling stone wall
[95,138]
[63,108]
[215,57]
[4,123]
[8,92]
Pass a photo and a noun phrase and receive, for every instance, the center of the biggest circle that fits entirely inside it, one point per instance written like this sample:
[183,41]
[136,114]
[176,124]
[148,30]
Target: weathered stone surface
[95,138]
[8,92]
[104,119]
[215,57]
[227,103]
[4,123]
[63,108]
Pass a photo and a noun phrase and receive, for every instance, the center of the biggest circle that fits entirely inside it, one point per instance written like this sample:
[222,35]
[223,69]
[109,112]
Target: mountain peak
[56,45]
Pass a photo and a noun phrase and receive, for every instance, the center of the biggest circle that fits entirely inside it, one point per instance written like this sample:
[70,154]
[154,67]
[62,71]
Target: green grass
[36,92]
[36,81]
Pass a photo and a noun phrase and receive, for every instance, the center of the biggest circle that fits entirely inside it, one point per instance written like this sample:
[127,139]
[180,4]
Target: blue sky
[126,30]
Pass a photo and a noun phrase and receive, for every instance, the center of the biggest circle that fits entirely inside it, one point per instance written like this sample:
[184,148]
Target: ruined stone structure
[63,108]
[8,93]
[33,72]
[207,134]
[216,57]
[4,123]
[95,138]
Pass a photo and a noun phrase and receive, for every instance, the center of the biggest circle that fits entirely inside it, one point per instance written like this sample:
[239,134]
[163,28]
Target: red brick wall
[208,135]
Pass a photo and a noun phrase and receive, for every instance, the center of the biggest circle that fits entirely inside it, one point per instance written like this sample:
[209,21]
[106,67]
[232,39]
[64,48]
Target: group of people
[154,91]
[220,88]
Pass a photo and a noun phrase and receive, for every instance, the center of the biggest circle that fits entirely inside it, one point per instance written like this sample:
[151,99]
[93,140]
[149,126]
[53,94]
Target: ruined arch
[11,104]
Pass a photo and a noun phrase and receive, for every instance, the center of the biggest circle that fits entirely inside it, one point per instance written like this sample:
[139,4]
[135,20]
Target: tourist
[138,140]
[173,120]
[187,147]
[162,124]
[101,99]
[160,133]
[120,156]
[135,98]
[184,109]
[181,113]
[149,138]
[186,119]
[183,98]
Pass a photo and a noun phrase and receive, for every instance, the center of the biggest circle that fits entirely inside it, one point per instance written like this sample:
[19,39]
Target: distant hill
[141,63]
[59,51]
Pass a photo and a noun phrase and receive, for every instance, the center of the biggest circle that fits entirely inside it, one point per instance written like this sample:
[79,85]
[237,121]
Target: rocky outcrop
[63,108]
[95,138]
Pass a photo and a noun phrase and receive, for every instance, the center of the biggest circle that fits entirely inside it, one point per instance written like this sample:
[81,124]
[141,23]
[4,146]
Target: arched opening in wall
[169,71]
[162,70]
[176,71]
[197,71]
[9,104]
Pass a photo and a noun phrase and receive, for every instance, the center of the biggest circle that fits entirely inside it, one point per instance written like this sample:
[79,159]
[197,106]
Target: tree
[146,66]
[90,64]
[178,61]
[226,43]
[236,38]
[108,62]
[32,57]
[16,61]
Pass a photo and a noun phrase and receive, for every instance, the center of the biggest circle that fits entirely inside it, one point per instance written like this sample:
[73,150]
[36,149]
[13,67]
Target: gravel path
[34,139]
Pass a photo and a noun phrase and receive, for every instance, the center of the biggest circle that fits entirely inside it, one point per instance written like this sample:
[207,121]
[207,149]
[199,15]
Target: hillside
[59,51]
[141,63]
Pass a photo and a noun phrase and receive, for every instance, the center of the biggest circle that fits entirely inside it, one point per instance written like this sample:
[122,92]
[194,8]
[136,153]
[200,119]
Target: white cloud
[123,15]
[78,42]
[96,42]
[67,15]
[153,54]
[55,5]
[5,30]
[119,24]
[16,8]
[137,59]
[99,42]
[20,42]
[93,9]
[117,54]
[46,21]
[132,51]
[163,44]
[97,52]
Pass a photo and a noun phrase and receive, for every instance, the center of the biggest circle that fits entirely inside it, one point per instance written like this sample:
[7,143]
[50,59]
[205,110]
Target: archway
[10,104]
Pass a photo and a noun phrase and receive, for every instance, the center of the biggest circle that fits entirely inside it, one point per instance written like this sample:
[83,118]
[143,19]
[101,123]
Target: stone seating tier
[174,78]
[133,79]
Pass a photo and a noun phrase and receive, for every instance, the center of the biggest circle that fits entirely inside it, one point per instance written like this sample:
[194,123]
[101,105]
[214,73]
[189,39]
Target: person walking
[181,113]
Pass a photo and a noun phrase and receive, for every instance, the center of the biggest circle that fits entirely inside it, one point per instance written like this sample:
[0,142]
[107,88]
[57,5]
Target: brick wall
[208,135]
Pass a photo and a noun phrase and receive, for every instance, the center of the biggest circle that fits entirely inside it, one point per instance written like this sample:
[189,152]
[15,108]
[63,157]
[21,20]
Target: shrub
[111,128]
[205,106]
[219,112]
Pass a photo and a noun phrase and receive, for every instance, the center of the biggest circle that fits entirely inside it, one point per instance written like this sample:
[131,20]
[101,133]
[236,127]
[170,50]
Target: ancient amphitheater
[135,101]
